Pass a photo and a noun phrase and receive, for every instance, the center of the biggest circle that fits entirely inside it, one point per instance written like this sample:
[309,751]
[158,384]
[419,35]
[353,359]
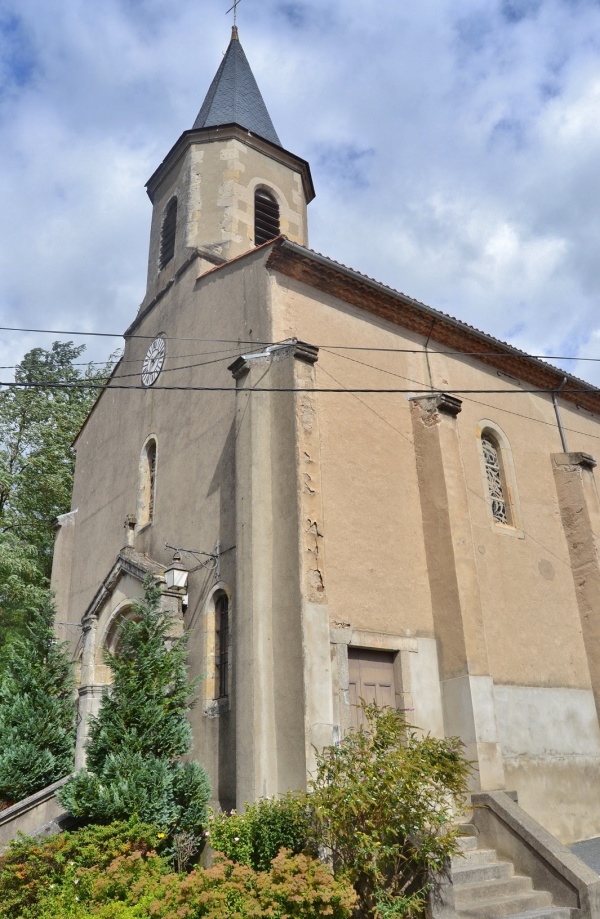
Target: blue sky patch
[296,14]
[474,31]
[16,50]
[509,131]
[347,164]
[516,10]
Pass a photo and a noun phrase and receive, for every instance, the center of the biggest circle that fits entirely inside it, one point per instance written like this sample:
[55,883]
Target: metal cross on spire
[234,8]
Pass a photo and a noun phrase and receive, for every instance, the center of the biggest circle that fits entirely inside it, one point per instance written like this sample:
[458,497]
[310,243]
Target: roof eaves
[317,267]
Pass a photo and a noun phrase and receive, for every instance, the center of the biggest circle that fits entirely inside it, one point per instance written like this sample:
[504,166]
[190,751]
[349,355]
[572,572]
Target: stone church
[359,496]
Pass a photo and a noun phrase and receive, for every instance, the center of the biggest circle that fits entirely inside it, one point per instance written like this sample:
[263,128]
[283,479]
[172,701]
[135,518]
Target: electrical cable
[306,389]
[507,411]
[224,341]
[231,341]
[137,360]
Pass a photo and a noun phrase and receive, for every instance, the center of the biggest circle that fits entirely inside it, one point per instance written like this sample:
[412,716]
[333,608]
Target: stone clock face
[153,362]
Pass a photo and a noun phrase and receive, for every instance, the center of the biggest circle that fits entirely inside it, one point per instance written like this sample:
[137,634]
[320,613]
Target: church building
[359,496]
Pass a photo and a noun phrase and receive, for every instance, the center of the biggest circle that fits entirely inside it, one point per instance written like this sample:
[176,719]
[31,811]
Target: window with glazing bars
[266,217]
[167,235]
[495,480]
[222,649]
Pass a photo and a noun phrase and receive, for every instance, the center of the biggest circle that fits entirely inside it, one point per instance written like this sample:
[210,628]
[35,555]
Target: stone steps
[486,887]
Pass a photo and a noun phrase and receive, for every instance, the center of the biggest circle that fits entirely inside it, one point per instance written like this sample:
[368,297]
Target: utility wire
[322,389]
[248,341]
[137,360]
[226,341]
[506,411]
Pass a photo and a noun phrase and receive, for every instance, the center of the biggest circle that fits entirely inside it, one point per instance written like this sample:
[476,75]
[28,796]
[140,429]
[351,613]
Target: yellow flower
[160,835]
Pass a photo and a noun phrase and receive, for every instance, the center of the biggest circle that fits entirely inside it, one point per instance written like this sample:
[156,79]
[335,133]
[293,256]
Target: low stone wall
[504,826]
[39,813]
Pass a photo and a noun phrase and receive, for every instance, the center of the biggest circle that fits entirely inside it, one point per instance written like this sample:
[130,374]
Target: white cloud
[454,150]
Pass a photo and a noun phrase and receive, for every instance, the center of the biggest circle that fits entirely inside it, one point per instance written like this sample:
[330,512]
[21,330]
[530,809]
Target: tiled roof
[234,97]
[347,284]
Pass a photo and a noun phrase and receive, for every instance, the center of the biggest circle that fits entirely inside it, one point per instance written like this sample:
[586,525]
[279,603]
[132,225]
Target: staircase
[486,887]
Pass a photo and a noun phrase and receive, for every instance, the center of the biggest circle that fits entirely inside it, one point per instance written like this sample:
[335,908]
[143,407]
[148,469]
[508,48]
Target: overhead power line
[248,341]
[137,360]
[224,341]
[306,389]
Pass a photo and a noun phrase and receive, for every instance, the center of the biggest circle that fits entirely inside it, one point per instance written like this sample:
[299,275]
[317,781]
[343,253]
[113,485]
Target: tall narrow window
[167,234]
[495,480]
[147,484]
[222,646]
[266,217]
[151,478]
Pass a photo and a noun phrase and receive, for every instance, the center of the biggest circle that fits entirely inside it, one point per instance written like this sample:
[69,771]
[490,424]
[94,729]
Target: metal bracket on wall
[212,559]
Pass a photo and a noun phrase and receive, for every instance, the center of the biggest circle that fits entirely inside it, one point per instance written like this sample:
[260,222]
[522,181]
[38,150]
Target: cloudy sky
[455,149]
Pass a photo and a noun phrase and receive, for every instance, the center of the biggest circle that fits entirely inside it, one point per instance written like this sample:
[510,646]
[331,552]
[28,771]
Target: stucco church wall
[524,572]
[525,576]
[375,564]
[195,469]
[542,705]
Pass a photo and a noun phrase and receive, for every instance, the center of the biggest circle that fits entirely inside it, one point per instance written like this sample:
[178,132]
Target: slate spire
[234,97]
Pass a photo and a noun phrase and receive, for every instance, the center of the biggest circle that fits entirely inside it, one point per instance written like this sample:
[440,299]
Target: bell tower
[227,185]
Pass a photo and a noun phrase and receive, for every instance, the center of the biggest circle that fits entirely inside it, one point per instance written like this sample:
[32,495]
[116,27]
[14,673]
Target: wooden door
[371,679]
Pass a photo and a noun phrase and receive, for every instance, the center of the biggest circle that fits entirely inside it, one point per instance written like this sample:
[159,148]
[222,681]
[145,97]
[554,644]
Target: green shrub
[255,837]
[383,800]
[114,873]
[141,731]
[30,868]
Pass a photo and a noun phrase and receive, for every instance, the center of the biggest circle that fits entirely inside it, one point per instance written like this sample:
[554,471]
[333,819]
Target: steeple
[234,97]
[227,185]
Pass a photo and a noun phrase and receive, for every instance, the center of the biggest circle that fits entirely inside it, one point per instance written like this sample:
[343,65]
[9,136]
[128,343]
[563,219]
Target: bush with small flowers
[31,869]
[255,837]
[138,883]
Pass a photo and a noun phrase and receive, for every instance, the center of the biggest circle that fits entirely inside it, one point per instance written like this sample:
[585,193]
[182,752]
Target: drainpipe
[427,354]
[563,439]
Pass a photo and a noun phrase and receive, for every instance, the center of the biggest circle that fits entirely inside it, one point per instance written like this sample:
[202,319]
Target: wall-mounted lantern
[176,575]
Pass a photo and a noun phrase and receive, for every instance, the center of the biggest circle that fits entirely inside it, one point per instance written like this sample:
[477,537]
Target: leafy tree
[37,427]
[135,743]
[37,710]
[384,801]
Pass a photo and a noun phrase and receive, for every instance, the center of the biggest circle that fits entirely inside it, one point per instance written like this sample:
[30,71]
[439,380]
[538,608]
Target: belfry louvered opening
[167,236]
[266,217]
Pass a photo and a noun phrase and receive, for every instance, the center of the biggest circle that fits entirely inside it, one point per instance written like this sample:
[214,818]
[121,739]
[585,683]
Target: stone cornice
[576,459]
[442,402]
[230,132]
[301,350]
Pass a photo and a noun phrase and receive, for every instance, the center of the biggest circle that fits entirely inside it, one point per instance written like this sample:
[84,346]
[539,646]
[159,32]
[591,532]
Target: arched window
[222,646]
[147,484]
[167,234]
[495,479]
[266,217]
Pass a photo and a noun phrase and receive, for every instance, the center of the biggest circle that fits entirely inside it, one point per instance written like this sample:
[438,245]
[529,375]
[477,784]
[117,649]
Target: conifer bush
[37,710]
[137,740]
